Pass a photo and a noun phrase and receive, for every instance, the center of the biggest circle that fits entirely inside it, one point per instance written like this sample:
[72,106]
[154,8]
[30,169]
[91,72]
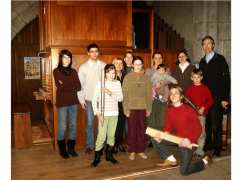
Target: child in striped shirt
[107,94]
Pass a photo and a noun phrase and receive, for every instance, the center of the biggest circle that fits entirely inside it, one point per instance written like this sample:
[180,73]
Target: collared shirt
[89,74]
[183,66]
[209,56]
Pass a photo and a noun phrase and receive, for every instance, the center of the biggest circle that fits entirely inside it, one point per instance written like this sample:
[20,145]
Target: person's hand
[127,114]
[107,91]
[201,110]
[185,142]
[157,139]
[224,104]
[83,104]
[148,113]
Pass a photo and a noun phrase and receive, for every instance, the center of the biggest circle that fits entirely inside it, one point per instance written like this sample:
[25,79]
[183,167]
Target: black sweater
[216,76]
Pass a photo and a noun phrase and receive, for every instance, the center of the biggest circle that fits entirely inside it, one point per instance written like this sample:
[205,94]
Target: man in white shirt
[89,74]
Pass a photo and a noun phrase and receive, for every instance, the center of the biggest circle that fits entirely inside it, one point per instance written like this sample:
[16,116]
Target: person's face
[196,79]
[137,66]
[161,70]
[157,59]
[207,46]
[66,60]
[118,65]
[93,53]
[182,57]
[110,75]
[128,59]
[175,96]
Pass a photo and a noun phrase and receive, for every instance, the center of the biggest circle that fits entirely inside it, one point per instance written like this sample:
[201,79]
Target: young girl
[106,96]
[137,105]
[68,84]
[183,120]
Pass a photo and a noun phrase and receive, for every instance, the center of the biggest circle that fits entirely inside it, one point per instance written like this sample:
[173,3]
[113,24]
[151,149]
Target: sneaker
[167,163]
[142,155]
[132,156]
[208,158]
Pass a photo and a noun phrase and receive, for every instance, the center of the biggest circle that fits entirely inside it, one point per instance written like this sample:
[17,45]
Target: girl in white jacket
[107,94]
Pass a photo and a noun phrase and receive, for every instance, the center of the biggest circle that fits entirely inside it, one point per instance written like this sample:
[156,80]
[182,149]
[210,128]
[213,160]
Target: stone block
[200,30]
[224,31]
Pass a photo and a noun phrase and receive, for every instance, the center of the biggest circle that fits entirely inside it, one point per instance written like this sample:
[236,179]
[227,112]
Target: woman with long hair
[68,84]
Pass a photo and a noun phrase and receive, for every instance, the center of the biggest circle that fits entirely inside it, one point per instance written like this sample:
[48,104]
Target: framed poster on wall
[32,67]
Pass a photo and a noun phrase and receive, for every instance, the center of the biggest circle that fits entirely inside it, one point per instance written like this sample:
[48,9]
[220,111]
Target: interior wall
[195,19]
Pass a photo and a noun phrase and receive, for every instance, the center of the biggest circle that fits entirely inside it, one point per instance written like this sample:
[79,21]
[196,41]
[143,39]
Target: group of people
[126,98]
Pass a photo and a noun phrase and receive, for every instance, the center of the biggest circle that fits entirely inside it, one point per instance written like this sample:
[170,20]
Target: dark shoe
[150,145]
[109,155]
[71,145]
[115,149]
[97,158]
[167,163]
[62,149]
[88,151]
[121,148]
[216,153]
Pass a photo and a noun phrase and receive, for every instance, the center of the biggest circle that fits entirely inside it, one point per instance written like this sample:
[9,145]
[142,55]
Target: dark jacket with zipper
[216,76]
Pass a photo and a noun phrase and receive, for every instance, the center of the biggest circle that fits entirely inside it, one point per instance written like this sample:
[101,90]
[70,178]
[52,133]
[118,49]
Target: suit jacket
[216,76]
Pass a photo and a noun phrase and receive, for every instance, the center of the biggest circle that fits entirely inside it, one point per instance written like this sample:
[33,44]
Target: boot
[71,145]
[62,149]
[115,149]
[97,158]
[109,155]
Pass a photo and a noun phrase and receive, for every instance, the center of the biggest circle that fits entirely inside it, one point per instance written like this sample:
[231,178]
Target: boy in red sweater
[201,97]
[183,120]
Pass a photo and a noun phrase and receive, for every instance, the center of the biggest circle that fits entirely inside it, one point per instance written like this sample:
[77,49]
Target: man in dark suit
[216,77]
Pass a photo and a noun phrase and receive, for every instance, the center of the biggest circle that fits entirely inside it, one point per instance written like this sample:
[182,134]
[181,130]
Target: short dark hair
[138,58]
[162,66]
[208,37]
[157,52]
[109,67]
[197,71]
[185,52]
[93,45]
[61,54]
[129,51]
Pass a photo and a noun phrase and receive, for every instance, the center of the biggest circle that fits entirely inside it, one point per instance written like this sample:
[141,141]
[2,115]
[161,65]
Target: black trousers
[120,126]
[187,167]
[214,125]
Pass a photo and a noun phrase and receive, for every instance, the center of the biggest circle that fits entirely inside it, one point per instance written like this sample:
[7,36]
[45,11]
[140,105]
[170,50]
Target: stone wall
[22,12]
[194,20]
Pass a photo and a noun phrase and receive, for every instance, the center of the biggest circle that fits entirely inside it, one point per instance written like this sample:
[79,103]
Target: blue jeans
[67,114]
[186,166]
[89,128]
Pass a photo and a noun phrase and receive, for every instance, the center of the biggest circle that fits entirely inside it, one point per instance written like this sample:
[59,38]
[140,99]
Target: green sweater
[137,92]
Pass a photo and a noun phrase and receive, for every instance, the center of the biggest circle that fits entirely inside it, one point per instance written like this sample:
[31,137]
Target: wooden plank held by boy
[166,136]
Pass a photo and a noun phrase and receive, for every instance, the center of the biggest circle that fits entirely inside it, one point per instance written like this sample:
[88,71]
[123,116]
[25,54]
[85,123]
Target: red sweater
[184,121]
[200,96]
